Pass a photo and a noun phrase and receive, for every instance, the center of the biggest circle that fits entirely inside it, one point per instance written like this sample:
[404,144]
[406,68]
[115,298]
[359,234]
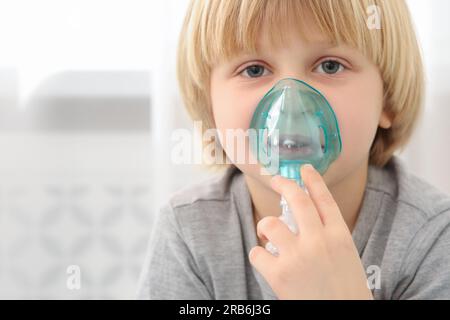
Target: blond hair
[217,30]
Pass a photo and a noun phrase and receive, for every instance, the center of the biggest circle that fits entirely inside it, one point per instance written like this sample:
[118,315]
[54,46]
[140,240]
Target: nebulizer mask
[294,125]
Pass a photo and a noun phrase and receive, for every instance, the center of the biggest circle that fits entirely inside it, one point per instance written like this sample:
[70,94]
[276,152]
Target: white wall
[428,154]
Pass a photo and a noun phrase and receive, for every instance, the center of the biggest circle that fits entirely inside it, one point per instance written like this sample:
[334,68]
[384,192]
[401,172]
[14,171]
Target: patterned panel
[96,222]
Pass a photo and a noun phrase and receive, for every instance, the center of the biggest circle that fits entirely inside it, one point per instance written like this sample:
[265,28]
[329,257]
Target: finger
[321,196]
[262,260]
[301,205]
[274,230]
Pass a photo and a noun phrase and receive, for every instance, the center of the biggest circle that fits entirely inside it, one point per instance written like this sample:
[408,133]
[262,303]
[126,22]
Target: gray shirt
[200,241]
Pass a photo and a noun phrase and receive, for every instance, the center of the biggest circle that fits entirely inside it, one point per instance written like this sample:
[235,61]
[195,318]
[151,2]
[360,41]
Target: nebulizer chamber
[294,125]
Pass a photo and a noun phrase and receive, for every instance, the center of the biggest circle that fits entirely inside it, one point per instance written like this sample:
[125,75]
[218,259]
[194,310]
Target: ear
[385,120]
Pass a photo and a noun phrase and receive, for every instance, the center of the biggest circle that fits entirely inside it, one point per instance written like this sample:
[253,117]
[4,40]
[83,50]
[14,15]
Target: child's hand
[321,262]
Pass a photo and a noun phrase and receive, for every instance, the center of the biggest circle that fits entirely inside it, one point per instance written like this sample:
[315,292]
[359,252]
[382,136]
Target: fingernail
[308,166]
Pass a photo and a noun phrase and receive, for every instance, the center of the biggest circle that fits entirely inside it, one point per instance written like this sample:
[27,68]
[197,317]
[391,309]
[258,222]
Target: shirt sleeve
[170,271]
[426,269]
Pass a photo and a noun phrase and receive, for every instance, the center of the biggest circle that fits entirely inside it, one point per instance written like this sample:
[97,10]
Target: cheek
[232,109]
[358,108]
[358,123]
[233,106]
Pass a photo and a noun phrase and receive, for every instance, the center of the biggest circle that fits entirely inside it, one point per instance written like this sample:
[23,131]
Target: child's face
[350,82]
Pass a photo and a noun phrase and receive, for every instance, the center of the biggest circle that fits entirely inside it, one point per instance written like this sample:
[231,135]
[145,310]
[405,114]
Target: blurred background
[88,102]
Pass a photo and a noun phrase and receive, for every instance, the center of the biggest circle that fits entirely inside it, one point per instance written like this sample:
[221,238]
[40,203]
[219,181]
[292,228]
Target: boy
[366,218]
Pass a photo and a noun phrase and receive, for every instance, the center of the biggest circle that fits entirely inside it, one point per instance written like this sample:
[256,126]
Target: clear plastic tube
[288,218]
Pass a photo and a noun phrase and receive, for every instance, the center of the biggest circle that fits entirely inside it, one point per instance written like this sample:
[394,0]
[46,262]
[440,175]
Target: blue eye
[254,71]
[330,67]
